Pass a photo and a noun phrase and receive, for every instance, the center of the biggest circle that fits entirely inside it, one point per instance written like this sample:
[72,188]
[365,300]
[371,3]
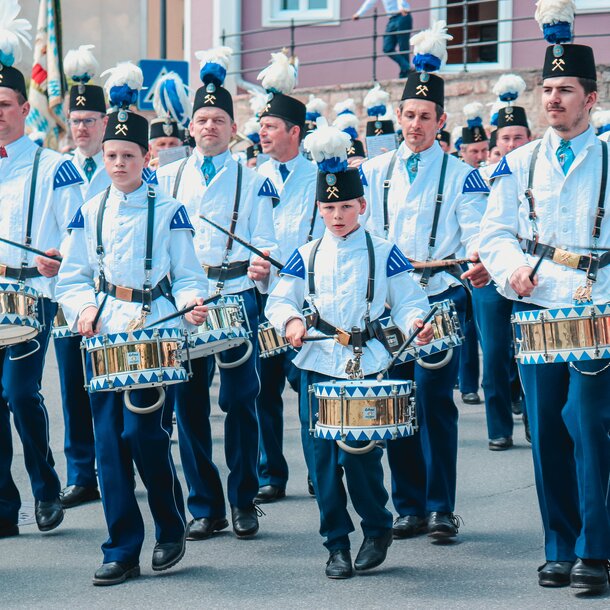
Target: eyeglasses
[85,122]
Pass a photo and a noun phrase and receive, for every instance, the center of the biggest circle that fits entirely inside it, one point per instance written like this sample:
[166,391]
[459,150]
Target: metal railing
[293,29]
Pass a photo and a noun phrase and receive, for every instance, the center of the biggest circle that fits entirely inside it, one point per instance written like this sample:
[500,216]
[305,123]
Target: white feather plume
[347,104]
[473,111]
[316,104]
[456,133]
[251,126]
[217,55]
[124,73]
[14,31]
[164,106]
[554,11]
[509,83]
[376,97]
[38,137]
[495,107]
[432,41]
[327,142]
[257,102]
[343,121]
[600,118]
[80,64]
[281,75]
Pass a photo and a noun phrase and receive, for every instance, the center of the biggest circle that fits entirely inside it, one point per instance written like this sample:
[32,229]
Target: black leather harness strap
[179,178]
[386,192]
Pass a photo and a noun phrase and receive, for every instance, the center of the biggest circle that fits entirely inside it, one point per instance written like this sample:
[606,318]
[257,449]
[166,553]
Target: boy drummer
[344,298]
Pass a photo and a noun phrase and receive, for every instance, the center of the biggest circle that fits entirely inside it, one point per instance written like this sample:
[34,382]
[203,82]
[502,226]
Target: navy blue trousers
[239,388]
[492,314]
[363,474]
[79,444]
[123,438]
[469,371]
[569,414]
[424,465]
[21,378]
[391,40]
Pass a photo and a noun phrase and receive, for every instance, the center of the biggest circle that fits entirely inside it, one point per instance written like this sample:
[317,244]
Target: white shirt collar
[353,238]
[219,161]
[577,144]
[404,152]
[19,146]
[289,164]
[137,197]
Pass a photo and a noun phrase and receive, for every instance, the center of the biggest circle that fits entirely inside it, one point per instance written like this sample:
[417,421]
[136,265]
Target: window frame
[592,6]
[273,16]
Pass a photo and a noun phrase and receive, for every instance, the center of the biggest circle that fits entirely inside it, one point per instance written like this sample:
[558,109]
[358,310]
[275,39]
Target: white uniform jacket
[100,179]
[565,206]
[341,274]
[124,241]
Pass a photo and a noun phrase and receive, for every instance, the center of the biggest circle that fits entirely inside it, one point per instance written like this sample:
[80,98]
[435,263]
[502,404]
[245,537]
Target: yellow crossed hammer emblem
[1,77]
[509,117]
[209,99]
[80,100]
[477,137]
[558,64]
[267,108]
[122,129]
[333,191]
[351,151]
[421,90]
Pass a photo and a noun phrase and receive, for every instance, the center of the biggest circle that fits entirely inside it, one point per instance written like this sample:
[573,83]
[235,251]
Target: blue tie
[412,163]
[565,155]
[89,168]
[284,171]
[208,169]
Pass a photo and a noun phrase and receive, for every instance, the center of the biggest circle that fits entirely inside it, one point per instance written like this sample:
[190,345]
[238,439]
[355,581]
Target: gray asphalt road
[493,564]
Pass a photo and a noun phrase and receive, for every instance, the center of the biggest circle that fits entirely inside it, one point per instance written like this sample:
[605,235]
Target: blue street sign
[153,70]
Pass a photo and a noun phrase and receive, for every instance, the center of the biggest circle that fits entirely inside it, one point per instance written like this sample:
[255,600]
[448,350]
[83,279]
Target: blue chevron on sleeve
[268,190]
[397,263]
[502,169]
[78,222]
[149,176]
[181,220]
[365,182]
[474,183]
[66,175]
[295,266]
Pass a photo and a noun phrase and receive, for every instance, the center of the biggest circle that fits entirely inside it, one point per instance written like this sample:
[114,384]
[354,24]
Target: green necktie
[412,165]
[565,155]
[208,169]
[89,168]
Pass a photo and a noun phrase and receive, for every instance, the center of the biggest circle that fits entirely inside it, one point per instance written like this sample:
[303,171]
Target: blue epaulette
[181,220]
[365,182]
[66,175]
[502,169]
[78,222]
[149,176]
[295,266]
[268,190]
[474,183]
[397,263]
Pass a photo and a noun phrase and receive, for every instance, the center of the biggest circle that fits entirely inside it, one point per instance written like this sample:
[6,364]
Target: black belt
[232,270]
[133,295]
[19,273]
[372,331]
[564,257]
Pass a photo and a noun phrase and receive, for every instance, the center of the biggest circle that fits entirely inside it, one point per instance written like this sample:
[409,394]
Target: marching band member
[127,241]
[424,493]
[337,261]
[87,119]
[211,183]
[348,122]
[601,121]
[296,222]
[561,206]
[314,109]
[39,194]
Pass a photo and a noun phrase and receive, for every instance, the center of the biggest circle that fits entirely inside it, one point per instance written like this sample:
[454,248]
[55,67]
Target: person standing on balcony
[397,31]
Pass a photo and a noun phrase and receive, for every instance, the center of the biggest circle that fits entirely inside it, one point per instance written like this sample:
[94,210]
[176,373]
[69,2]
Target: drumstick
[183,311]
[99,313]
[317,338]
[244,243]
[407,342]
[535,269]
[445,262]
[53,257]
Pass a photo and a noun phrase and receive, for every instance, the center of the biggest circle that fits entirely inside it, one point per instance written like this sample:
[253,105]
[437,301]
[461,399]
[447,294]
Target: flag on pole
[47,85]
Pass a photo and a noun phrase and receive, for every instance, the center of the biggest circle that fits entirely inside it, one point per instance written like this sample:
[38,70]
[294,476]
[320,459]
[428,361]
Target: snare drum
[447,335]
[364,410]
[18,309]
[567,334]
[270,342]
[61,330]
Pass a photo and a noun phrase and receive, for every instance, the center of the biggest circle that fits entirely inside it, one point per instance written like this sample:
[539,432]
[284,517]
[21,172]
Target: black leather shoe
[373,552]
[442,526]
[74,495]
[48,514]
[526,427]
[245,521]
[471,398]
[590,575]
[7,531]
[516,407]
[409,526]
[168,554]
[339,564]
[269,493]
[310,489]
[204,528]
[114,573]
[554,574]
[500,444]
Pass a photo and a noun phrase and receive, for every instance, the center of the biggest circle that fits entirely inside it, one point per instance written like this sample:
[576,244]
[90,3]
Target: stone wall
[460,89]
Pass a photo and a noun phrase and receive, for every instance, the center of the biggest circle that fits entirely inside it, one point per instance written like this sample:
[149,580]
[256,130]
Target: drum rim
[572,312]
[20,288]
[168,334]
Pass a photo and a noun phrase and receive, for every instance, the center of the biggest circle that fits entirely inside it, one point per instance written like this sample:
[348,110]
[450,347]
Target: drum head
[12,334]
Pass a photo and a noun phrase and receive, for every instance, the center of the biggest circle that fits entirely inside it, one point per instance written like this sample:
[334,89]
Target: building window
[281,12]
[592,6]
[487,25]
